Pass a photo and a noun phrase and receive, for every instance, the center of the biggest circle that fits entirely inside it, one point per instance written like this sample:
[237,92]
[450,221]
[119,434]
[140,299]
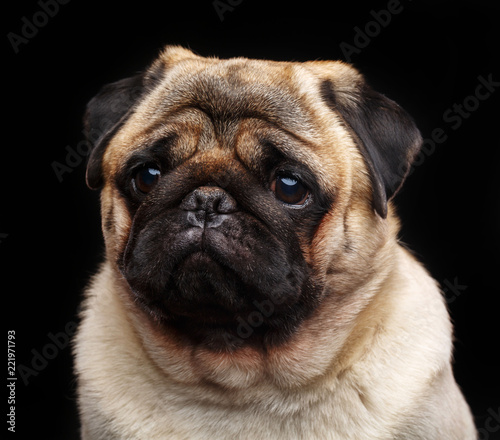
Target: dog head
[241,196]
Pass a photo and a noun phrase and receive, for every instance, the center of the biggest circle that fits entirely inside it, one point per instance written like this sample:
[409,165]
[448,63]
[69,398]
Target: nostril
[216,204]
[200,201]
[226,204]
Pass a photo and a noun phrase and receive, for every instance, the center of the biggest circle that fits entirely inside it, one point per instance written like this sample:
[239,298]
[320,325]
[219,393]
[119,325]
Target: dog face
[241,197]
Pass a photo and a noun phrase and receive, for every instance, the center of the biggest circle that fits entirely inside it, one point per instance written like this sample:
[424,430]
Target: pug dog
[253,285]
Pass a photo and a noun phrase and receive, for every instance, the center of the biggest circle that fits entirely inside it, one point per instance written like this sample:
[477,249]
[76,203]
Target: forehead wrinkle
[233,89]
[290,145]
[298,149]
[129,142]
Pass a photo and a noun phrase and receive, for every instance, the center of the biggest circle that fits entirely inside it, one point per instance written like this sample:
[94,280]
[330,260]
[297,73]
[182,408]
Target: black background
[428,59]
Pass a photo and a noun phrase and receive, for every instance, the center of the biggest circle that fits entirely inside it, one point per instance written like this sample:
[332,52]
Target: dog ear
[112,106]
[388,137]
[105,114]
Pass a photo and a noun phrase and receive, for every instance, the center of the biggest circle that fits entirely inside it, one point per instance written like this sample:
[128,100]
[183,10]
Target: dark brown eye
[146,179]
[290,190]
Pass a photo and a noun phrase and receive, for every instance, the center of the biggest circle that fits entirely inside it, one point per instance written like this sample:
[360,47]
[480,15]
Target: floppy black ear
[110,109]
[105,114]
[388,137]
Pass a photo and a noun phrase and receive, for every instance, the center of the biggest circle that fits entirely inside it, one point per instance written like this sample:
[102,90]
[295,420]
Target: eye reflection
[289,190]
[146,179]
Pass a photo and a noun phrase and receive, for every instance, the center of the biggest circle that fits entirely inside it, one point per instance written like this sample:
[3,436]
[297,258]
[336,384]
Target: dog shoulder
[409,362]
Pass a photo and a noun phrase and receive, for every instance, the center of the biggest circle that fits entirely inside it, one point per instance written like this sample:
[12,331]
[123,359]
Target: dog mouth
[214,285]
[206,272]
[205,291]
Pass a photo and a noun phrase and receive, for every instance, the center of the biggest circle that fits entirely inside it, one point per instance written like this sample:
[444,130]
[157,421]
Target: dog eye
[145,179]
[289,190]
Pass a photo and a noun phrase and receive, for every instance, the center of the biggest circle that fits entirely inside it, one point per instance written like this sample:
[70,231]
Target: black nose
[207,206]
